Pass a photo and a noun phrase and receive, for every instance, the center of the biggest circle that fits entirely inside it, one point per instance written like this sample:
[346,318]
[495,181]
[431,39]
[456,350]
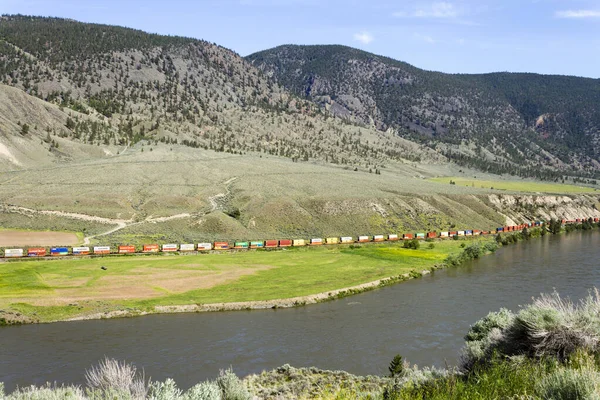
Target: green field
[515,186]
[60,289]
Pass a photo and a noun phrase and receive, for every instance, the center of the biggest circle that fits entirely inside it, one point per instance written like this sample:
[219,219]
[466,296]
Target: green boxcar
[240,245]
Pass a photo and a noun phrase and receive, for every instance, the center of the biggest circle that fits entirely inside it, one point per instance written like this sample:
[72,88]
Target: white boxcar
[392,237]
[101,249]
[13,253]
[187,247]
[81,250]
[378,238]
[204,246]
[461,233]
[170,247]
[444,234]
[346,239]
[316,241]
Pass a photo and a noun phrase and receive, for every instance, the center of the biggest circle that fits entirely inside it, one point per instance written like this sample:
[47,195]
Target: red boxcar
[408,236]
[271,243]
[36,252]
[285,243]
[431,235]
[126,249]
[221,246]
[150,248]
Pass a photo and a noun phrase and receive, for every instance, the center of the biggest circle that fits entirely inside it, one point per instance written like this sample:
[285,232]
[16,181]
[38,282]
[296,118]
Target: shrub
[47,392]
[232,388]
[412,244]
[111,375]
[203,391]
[396,367]
[166,390]
[568,384]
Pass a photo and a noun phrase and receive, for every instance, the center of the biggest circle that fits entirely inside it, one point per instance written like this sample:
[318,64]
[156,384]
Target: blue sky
[468,36]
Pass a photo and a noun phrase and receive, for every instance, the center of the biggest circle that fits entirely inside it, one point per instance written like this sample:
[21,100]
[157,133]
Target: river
[424,320]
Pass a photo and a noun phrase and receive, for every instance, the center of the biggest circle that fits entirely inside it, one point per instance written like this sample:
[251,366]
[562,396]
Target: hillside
[499,122]
[137,87]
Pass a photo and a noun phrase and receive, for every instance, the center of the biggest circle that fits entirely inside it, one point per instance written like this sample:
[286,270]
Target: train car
[36,252]
[408,236]
[499,230]
[364,239]
[392,237]
[187,247]
[13,253]
[332,240]
[257,245]
[298,242]
[241,245]
[379,238]
[596,219]
[81,251]
[101,249]
[468,232]
[346,239]
[169,248]
[316,242]
[476,232]
[420,235]
[221,246]
[126,249]
[205,246]
[460,233]
[271,244]
[453,233]
[431,235]
[150,248]
[445,234]
[285,243]
[59,251]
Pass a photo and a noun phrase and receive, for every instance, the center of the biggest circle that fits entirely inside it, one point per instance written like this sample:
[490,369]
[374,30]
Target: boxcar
[316,242]
[346,239]
[285,243]
[59,251]
[271,243]
[150,248]
[379,238]
[392,237]
[101,249]
[187,247]
[407,236]
[81,251]
[170,248]
[241,245]
[363,239]
[205,246]
[299,242]
[36,252]
[257,244]
[126,249]
[221,246]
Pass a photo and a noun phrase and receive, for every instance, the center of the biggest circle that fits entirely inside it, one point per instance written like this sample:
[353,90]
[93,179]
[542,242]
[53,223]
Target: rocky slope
[496,122]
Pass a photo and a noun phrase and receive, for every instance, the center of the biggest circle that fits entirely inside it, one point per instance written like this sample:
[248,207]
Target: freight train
[262,244]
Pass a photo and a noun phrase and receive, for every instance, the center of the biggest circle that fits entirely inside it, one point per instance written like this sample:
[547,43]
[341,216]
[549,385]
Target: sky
[454,36]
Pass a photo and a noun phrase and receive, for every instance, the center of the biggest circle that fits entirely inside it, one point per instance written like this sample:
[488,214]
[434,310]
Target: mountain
[118,87]
[523,124]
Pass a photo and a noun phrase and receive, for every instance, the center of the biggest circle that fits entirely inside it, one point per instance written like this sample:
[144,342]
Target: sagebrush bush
[232,388]
[203,391]
[549,327]
[47,392]
[570,384]
[112,375]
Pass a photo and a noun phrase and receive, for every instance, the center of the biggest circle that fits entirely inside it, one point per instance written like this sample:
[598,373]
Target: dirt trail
[215,203]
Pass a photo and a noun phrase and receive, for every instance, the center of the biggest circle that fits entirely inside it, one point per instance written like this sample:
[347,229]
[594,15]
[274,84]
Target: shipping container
[126,249]
[81,251]
[431,235]
[332,240]
[36,252]
[460,233]
[499,229]
[316,242]
[13,253]
[187,247]
[444,234]
[299,242]
[271,243]
[101,250]
[204,246]
[476,232]
[392,237]
[285,243]
[420,235]
[170,247]
[453,233]
[407,236]
[59,251]
[468,232]
[241,245]
[346,239]
[221,246]
[257,245]
[378,238]
[151,248]
[363,239]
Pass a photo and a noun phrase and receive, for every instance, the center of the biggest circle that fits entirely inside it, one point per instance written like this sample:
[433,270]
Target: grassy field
[54,290]
[515,186]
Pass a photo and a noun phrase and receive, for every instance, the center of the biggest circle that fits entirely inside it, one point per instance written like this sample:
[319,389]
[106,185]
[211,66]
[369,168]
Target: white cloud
[425,38]
[440,9]
[578,14]
[364,37]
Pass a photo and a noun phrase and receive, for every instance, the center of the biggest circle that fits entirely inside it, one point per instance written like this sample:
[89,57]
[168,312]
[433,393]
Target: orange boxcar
[271,243]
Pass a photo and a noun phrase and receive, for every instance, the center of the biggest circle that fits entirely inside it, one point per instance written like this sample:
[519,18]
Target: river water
[424,320]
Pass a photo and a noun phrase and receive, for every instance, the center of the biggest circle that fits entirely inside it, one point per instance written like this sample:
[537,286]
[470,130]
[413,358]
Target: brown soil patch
[21,238]
[143,283]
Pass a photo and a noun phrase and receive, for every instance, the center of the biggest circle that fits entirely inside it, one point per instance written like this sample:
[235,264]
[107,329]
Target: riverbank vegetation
[550,349]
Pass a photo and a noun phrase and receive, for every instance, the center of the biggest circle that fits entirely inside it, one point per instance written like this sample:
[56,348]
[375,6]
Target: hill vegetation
[501,123]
